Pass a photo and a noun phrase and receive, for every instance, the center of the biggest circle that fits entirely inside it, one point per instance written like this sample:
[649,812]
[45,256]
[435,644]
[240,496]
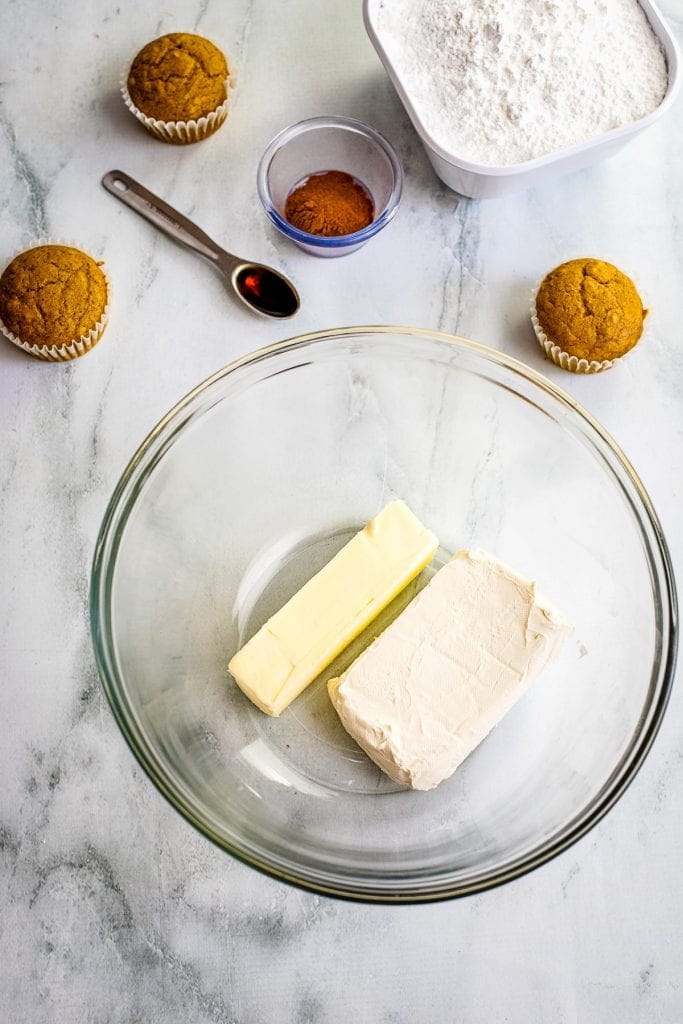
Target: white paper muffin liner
[560,357]
[77,347]
[181,133]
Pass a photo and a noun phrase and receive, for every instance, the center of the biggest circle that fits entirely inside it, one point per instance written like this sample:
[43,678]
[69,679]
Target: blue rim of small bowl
[661,682]
[329,241]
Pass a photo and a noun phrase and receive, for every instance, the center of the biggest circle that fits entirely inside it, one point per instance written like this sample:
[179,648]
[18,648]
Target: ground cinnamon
[330,203]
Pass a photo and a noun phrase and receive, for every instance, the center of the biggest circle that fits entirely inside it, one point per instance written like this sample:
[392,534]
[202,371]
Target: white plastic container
[485,181]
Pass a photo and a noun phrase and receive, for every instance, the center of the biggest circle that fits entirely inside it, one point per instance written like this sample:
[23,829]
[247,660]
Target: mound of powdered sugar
[503,81]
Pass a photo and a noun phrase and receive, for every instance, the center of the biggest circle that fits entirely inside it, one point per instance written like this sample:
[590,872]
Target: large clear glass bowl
[254,481]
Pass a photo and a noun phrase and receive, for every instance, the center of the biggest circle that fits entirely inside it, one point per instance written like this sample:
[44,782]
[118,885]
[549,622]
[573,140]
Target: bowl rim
[661,681]
[622,133]
[350,124]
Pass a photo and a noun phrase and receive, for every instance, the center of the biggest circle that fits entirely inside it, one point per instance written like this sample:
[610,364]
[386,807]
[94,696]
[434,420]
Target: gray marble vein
[24,173]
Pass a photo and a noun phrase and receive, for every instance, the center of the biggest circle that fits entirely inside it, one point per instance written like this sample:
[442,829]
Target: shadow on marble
[10,353]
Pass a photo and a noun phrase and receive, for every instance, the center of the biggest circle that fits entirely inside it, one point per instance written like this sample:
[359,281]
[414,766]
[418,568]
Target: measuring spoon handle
[163,216]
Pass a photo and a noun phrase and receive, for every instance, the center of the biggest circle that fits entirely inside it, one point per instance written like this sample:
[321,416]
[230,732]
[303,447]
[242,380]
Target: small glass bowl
[329,144]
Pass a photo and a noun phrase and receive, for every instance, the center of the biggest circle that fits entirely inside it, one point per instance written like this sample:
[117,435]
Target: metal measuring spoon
[263,289]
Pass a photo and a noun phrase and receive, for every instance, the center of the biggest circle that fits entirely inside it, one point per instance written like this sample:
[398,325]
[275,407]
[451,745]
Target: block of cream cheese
[329,611]
[427,691]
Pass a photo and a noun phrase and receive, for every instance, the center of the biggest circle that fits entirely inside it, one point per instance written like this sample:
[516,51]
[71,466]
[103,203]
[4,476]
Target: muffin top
[178,77]
[52,295]
[590,309]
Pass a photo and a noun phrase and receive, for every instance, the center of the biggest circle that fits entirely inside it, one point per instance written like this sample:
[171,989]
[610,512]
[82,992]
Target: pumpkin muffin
[177,87]
[54,302]
[587,314]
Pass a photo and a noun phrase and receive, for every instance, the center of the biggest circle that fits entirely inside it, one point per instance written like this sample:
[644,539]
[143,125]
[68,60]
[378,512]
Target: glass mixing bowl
[254,481]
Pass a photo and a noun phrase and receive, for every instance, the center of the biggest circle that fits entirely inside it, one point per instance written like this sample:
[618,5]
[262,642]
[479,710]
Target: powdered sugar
[504,81]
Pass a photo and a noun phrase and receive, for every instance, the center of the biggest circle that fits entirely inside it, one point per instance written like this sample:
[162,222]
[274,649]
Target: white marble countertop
[113,908]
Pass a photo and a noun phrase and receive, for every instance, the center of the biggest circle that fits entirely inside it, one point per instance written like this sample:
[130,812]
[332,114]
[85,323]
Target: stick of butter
[329,611]
[427,691]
